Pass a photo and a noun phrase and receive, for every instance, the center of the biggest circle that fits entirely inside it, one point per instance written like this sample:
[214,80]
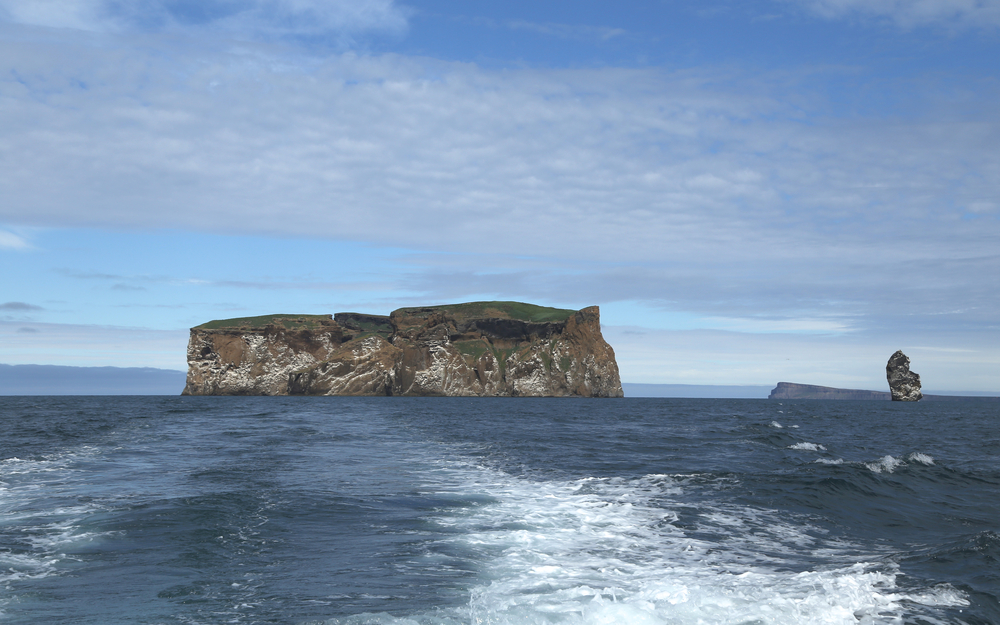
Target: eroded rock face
[903,383]
[255,361]
[500,349]
[361,366]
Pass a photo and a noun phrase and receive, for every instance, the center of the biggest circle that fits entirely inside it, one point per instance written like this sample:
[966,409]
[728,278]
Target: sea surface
[404,511]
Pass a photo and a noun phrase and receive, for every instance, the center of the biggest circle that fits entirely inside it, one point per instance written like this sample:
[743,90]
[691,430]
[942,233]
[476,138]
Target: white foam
[807,447]
[888,464]
[45,532]
[601,551]
[775,424]
[885,464]
[921,458]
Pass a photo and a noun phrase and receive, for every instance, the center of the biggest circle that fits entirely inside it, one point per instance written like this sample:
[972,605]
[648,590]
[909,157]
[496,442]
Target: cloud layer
[710,187]
[910,13]
[242,18]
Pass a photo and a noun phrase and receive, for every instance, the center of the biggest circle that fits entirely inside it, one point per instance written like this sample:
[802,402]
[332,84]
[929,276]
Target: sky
[752,191]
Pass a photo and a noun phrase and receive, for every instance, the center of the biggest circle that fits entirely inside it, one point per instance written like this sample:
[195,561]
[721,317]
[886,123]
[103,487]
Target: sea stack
[903,383]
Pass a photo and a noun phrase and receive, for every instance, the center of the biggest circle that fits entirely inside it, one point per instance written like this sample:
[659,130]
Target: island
[477,349]
[903,383]
[791,390]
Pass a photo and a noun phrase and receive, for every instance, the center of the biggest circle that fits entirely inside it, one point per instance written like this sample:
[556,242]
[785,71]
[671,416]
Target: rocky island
[903,383]
[500,349]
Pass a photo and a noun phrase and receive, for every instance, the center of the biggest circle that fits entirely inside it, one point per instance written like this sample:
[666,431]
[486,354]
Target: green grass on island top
[297,322]
[505,310]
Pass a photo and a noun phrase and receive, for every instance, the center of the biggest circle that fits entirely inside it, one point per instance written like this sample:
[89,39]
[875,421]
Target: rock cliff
[254,355]
[505,349]
[903,383]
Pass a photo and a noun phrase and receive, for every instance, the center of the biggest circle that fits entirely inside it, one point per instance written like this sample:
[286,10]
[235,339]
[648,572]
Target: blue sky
[753,192]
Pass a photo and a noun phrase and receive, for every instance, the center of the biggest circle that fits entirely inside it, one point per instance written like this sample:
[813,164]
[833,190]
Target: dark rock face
[358,323]
[499,349]
[903,383]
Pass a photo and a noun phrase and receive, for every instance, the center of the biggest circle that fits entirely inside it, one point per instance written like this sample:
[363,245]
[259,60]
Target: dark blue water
[401,511]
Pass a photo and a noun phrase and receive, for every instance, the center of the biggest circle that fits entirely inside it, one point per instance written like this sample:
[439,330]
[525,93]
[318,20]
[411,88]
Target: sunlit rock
[903,383]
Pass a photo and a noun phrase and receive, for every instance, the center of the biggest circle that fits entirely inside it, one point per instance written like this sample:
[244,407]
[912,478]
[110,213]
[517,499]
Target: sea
[446,511]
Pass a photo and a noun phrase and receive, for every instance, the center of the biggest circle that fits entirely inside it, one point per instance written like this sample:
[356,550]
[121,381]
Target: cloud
[910,13]
[731,194]
[26,330]
[568,31]
[625,164]
[20,307]
[11,241]
[247,18]
[93,275]
[133,283]
[983,206]
[55,13]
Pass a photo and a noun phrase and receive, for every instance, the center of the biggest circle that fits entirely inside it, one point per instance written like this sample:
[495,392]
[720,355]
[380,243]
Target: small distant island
[790,390]
[499,349]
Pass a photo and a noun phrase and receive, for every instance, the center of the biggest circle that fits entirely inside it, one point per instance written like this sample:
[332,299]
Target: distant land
[61,380]
[791,390]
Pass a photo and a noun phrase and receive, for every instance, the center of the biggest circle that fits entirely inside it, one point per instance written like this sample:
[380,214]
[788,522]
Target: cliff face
[504,349]
[254,356]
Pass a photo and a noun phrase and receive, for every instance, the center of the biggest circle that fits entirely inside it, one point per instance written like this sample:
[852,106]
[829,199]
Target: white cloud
[982,206]
[247,18]
[78,14]
[568,31]
[797,325]
[429,153]
[910,13]
[704,191]
[11,241]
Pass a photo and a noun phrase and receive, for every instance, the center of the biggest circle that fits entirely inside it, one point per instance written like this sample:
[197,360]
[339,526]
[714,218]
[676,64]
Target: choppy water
[399,511]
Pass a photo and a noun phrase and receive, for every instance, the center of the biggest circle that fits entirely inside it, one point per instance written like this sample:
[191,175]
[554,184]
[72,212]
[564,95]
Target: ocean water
[403,511]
